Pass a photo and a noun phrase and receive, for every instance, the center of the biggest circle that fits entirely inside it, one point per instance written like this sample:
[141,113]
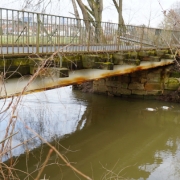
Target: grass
[32,40]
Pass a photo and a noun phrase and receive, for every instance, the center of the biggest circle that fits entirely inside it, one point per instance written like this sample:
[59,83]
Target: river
[103,137]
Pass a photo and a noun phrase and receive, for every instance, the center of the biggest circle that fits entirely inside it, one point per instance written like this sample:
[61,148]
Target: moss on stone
[151,53]
[175,74]
[133,54]
[142,53]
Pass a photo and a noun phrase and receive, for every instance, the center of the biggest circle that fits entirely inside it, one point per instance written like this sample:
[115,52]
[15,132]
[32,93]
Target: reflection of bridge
[25,34]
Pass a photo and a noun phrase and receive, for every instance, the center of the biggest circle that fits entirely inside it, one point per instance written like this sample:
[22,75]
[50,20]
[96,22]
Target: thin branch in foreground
[44,164]
[60,155]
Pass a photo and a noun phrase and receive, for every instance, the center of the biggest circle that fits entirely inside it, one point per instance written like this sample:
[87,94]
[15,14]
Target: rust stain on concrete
[75,77]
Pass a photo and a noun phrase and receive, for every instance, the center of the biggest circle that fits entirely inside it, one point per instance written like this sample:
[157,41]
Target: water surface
[104,137]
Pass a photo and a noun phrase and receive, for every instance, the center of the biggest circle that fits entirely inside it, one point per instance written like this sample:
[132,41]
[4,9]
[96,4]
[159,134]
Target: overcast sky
[135,12]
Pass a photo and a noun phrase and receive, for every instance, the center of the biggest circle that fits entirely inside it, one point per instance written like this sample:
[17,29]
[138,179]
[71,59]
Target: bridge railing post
[142,37]
[89,36]
[118,37]
[38,33]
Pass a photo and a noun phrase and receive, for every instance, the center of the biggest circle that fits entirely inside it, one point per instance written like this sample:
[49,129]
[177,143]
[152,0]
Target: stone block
[156,71]
[108,66]
[124,85]
[101,82]
[172,51]
[89,60]
[118,62]
[154,77]
[112,83]
[135,62]
[174,74]
[171,84]
[143,80]
[160,52]
[36,62]
[136,79]
[144,73]
[39,62]
[14,71]
[155,92]
[142,54]
[153,86]
[62,72]
[150,53]
[105,58]
[145,58]
[97,65]
[124,91]
[109,88]
[136,85]
[103,65]
[154,58]
[167,91]
[95,82]
[139,92]
[125,79]
[119,78]
[172,80]
[133,55]
[134,74]
[48,72]
[95,88]
[102,88]
[109,83]
[114,90]
[118,58]
[168,56]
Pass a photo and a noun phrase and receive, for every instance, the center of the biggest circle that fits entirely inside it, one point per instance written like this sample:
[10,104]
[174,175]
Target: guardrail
[23,32]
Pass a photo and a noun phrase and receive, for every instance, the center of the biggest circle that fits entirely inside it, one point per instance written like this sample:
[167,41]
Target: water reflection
[52,114]
[107,137]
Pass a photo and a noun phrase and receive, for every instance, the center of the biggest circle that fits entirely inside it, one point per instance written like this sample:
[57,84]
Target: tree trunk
[84,13]
[119,10]
[92,15]
[96,8]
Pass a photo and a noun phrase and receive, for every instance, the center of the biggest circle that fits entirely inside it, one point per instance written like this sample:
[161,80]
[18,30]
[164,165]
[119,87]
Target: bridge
[46,49]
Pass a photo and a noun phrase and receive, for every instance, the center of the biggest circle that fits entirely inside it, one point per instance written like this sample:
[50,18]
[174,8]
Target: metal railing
[24,32]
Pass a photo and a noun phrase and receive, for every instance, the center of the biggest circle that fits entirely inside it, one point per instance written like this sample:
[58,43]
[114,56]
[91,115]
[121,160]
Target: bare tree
[119,10]
[171,19]
[92,14]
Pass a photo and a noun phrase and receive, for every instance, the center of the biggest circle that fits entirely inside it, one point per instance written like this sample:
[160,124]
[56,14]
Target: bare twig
[44,164]
[60,155]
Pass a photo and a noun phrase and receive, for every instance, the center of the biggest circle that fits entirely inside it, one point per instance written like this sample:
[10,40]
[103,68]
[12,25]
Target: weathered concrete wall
[146,83]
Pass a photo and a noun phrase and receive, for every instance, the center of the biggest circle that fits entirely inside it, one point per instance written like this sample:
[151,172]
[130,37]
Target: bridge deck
[16,85]
[71,49]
